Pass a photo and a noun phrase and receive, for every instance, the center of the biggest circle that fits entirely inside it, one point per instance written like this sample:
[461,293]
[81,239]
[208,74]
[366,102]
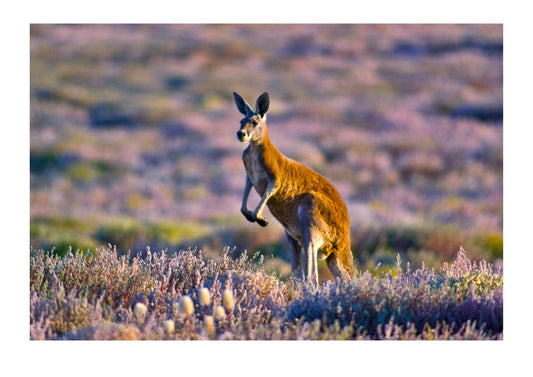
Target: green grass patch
[62,234]
[126,233]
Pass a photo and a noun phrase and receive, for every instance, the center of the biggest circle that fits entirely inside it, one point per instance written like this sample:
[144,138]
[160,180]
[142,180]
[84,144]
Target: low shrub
[101,295]
[463,295]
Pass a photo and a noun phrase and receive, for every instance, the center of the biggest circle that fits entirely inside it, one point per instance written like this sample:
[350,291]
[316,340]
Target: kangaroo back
[308,206]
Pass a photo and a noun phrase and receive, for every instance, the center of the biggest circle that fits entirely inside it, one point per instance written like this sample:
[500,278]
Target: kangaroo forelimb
[244,210]
[258,213]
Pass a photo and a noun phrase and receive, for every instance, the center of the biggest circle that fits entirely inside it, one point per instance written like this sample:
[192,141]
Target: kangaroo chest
[256,171]
[284,207]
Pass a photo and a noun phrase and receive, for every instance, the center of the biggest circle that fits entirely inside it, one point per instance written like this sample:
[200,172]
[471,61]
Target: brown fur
[310,209]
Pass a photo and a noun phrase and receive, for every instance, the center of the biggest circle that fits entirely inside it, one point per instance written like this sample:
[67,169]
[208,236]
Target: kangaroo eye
[254,123]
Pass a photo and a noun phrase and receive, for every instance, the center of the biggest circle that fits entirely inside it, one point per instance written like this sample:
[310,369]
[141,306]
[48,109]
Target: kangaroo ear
[243,107]
[261,106]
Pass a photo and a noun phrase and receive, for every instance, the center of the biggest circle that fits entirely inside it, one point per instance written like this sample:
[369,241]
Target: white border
[240,358]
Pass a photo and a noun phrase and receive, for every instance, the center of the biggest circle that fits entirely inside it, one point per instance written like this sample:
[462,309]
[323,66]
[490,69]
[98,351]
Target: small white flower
[186,306]
[169,326]
[140,311]
[209,325]
[227,299]
[203,296]
[219,312]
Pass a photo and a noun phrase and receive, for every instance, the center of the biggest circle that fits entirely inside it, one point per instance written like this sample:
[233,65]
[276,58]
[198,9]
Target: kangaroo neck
[261,145]
[264,148]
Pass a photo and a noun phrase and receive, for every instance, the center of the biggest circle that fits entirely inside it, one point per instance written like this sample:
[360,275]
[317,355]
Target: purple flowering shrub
[101,295]
[461,298]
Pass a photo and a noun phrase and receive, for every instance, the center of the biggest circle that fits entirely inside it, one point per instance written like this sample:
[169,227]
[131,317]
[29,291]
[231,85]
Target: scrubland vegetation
[133,144]
[101,295]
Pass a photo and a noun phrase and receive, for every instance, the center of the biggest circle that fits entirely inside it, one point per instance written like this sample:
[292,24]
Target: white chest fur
[256,171]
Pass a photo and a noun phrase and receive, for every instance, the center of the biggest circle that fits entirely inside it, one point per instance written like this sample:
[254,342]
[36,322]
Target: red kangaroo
[310,209]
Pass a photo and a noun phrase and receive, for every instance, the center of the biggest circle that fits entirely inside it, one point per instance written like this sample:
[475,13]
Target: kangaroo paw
[261,222]
[249,215]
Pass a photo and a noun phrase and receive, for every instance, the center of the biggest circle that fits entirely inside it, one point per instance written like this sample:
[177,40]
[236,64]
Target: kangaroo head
[253,124]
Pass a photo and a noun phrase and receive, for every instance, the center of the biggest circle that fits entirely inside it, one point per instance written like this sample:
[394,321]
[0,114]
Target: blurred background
[132,138]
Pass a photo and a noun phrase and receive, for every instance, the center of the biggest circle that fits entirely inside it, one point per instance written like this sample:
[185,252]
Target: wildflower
[204,296]
[186,307]
[219,312]
[209,326]
[140,311]
[227,299]
[169,326]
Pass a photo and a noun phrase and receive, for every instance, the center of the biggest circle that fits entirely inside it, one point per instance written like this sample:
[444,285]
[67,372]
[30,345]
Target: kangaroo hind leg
[312,240]
[295,252]
[338,269]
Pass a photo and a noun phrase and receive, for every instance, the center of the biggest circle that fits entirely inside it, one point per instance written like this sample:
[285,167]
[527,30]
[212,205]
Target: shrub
[101,295]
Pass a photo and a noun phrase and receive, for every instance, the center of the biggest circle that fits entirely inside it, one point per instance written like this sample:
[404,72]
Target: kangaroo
[310,209]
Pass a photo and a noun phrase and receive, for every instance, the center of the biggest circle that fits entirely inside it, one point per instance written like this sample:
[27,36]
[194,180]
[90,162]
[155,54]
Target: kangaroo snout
[241,135]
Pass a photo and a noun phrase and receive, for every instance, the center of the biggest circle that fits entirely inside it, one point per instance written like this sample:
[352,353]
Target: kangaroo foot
[261,221]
